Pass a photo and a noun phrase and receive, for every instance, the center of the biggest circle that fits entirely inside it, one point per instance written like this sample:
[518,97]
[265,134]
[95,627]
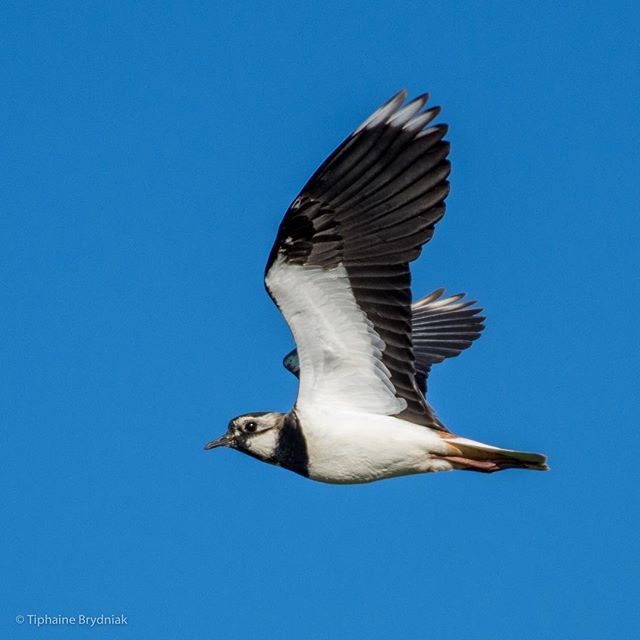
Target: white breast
[349,447]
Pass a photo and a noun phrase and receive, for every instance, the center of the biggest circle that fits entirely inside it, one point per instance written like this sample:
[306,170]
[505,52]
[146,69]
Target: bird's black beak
[224,441]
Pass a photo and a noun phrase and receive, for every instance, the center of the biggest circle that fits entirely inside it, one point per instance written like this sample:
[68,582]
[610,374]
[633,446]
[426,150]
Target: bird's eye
[250,426]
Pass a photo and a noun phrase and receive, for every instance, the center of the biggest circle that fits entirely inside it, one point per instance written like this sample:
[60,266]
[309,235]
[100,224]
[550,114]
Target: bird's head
[253,433]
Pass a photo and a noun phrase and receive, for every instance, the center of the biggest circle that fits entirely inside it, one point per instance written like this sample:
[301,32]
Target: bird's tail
[476,456]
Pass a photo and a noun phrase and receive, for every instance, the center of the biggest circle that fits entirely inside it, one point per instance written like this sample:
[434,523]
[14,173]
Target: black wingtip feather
[442,328]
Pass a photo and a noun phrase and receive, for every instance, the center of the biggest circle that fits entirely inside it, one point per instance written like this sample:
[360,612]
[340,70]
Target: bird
[339,272]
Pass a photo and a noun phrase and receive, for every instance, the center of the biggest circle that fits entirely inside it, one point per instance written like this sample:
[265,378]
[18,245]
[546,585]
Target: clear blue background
[149,151]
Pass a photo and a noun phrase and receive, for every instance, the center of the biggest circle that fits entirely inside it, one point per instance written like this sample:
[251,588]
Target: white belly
[347,448]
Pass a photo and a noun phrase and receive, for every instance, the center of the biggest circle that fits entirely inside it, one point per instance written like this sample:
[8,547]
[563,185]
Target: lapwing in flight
[339,273]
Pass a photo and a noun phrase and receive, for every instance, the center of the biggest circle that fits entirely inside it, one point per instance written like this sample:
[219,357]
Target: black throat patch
[291,450]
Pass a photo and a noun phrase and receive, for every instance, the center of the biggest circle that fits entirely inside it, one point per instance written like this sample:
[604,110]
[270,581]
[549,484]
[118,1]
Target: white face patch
[262,444]
[257,434]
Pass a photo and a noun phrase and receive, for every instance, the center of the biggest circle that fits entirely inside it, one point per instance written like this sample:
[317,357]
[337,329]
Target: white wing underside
[340,353]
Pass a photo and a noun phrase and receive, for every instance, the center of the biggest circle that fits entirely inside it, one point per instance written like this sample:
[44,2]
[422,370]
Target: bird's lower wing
[441,327]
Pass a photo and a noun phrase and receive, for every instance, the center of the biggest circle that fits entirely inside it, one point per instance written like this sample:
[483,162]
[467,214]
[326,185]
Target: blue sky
[149,152]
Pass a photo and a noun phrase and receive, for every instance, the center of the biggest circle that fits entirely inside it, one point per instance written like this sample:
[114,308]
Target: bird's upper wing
[441,327]
[339,268]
